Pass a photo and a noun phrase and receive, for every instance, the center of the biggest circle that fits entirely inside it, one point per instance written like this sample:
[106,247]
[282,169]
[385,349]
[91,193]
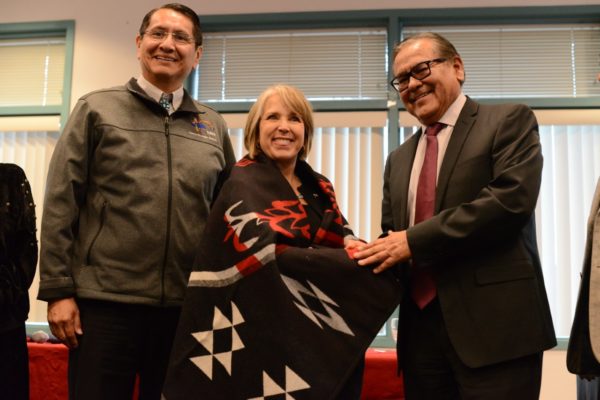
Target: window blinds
[325,63]
[527,60]
[32,71]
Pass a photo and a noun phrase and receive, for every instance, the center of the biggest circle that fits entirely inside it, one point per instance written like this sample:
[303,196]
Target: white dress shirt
[449,118]
[155,93]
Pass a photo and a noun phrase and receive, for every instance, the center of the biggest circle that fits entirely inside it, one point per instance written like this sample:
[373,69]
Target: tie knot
[166,101]
[434,129]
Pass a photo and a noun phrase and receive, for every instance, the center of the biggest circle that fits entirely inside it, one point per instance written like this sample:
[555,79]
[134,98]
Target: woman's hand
[351,244]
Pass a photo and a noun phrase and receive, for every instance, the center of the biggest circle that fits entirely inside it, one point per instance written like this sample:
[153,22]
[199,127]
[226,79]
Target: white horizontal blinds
[526,61]
[31,150]
[32,71]
[586,61]
[210,74]
[571,169]
[325,64]
[348,148]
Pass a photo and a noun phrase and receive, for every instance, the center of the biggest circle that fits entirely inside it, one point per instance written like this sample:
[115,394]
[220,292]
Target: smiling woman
[274,272]
[280,126]
[281,133]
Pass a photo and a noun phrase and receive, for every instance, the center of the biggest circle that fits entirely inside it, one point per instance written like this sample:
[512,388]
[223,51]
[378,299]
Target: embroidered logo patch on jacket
[204,128]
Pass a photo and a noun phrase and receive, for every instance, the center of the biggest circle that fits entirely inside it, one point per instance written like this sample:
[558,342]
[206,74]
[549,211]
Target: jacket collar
[461,131]
[187,104]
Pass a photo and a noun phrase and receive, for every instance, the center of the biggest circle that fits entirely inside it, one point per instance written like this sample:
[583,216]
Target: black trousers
[121,341]
[433,370]
[14,364]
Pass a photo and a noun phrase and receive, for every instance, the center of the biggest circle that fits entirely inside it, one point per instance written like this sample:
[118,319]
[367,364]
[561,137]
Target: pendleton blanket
[270,313]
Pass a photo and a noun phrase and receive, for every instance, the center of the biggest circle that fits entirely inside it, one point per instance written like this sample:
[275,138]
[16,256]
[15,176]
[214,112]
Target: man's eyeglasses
[160,35]
[420,71]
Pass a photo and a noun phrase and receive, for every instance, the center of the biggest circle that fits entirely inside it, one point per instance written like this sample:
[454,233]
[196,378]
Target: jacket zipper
[102,216]
[169,205]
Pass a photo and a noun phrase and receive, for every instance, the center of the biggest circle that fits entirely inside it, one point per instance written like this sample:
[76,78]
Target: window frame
[27,30]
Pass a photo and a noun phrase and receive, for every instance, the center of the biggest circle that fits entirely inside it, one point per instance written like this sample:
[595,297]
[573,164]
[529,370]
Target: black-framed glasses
[159,35]
[420,71]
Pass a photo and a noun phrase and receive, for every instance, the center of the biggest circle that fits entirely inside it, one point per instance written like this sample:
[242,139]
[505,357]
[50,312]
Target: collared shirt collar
[155,92]
[451,115]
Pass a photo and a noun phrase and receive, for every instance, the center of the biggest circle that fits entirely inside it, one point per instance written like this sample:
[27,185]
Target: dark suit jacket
[582,355]
[481,241]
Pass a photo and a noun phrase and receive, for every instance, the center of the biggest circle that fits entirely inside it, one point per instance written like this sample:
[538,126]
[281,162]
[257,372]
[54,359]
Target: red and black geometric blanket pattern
[270,314]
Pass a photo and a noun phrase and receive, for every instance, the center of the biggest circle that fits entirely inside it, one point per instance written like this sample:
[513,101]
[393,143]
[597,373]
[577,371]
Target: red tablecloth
[381,381]
[48,373]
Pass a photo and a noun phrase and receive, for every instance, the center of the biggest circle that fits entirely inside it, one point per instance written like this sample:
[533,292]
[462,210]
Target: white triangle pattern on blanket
[206,339]
[293,383]
[330,317]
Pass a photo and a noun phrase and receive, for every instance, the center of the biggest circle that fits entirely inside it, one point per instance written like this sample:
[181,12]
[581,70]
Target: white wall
[104,56]
[557,382]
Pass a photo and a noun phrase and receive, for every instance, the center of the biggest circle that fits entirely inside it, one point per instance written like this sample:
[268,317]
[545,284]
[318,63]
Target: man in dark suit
[583,354]
[476,319]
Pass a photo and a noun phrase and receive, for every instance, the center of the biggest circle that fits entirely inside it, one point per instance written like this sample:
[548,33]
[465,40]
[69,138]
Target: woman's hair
[292,98]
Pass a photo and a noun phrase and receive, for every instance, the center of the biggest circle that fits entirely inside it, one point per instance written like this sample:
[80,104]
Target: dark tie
[422,284]
[166,101]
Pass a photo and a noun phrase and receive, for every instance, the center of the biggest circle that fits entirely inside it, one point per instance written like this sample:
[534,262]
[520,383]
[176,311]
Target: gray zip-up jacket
[127,196]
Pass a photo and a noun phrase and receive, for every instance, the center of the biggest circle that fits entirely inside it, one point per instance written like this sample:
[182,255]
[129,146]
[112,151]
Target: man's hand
[386,251]
[63,317]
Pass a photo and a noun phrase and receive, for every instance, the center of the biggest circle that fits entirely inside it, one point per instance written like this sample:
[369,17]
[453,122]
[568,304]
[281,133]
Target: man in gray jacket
[128,192]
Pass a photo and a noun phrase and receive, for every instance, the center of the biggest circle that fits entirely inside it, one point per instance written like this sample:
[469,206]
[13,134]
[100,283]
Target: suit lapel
[460,133]
[409,150]
[591,261]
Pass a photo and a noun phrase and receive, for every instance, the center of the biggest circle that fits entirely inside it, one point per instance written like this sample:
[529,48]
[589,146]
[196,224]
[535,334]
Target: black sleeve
[19,243]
